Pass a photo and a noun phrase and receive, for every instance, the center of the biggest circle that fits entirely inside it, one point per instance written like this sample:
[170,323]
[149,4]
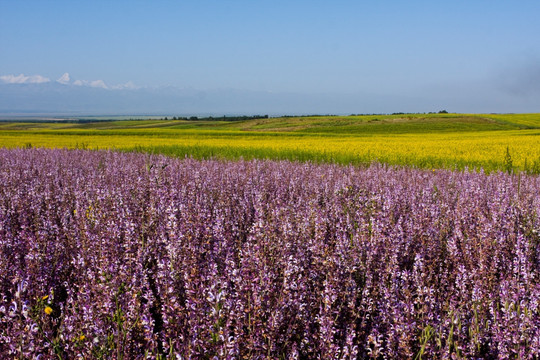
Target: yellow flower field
[491,142]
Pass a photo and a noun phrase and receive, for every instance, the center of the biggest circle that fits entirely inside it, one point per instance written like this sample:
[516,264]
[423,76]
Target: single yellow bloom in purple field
[82,337]
[45,297]
[48,310]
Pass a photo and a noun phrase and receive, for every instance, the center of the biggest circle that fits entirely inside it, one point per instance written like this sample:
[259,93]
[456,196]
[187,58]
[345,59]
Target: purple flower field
[127,256]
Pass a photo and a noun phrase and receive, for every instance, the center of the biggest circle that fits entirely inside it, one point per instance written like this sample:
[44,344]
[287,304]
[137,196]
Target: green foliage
[508,163]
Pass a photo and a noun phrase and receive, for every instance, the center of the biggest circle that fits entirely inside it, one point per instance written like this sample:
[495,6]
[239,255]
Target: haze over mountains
[38,95]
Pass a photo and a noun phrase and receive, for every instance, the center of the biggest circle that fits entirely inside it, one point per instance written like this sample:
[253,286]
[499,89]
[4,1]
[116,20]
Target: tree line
[219,118]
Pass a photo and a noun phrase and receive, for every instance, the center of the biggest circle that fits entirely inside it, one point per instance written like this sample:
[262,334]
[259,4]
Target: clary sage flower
[188,259]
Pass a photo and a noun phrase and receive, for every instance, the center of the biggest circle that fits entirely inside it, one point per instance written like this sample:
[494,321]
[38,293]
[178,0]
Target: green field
[456,141]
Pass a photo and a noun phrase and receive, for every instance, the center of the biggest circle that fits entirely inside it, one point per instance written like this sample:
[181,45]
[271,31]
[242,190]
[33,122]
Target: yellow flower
[82,337]
[48,310]
[45,297]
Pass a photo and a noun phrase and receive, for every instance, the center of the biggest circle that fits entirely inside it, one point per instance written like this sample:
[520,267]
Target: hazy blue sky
[453,49]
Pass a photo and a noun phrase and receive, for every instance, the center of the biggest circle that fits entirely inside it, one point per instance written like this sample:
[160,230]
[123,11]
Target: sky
[472,56]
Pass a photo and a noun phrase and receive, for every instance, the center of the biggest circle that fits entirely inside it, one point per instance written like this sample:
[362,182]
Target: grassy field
[456,141]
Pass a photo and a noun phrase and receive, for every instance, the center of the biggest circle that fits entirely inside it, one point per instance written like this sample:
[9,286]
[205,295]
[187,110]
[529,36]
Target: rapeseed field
[492,142]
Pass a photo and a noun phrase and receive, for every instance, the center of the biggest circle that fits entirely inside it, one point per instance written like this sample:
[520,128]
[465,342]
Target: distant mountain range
[95,98]
[58,98]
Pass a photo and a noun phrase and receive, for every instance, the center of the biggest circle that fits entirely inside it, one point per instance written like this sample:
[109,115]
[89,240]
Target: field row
[508,150]
[490,142]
